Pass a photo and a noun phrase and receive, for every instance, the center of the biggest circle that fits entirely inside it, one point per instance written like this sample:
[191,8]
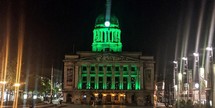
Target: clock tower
[106,35]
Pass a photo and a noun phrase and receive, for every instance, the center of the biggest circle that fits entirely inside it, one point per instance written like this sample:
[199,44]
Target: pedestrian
[93,103]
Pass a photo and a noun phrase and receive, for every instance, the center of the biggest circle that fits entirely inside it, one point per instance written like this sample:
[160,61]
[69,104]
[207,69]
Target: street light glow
[184,58]
[209,48]
[197,85]
[196,54]
[175,62]
[17,84]
[35,97]
[25,96]
[179,76]
[3,82]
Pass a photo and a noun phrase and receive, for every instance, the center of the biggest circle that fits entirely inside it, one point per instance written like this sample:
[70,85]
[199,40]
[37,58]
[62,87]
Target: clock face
[107,23]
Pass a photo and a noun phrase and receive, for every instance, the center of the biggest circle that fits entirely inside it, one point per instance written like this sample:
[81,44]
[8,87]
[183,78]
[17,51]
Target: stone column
[129,77]
[112,37]
[96,77]
[113,78]
[101,34]
[137,78]
[141,77]
[79,78]
[105,36]
[105,78]
[121,78]
[88,77]
[108,34]
[76,76]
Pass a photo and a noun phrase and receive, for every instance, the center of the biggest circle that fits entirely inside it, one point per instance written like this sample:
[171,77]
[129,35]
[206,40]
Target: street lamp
[186,76]
[210,77]
[196,85]
[3,83]
[175,72]
[17,84]
[196,74]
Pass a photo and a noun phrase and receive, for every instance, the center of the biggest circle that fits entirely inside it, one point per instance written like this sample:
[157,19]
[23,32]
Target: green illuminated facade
[109,77]
[106,38]
[107,74]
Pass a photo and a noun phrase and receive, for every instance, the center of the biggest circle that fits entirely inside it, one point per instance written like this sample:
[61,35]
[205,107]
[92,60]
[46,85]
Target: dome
[100,20]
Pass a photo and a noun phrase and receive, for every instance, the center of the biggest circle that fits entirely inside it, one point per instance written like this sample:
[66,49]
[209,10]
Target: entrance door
[108,99]
[133,98]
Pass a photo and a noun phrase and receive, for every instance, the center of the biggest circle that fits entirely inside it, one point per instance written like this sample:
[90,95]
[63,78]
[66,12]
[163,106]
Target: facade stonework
[106,75]
[114,78]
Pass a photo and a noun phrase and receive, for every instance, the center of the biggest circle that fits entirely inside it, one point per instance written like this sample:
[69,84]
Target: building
[107,75]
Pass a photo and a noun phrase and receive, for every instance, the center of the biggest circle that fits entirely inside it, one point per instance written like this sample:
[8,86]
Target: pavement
[66,105]
[106,106]
[41,105]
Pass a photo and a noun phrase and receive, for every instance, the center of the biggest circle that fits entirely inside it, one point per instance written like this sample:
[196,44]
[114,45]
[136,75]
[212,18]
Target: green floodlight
[107,23]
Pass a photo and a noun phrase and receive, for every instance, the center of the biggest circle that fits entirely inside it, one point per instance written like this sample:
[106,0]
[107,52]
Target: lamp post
[175,72]
[3,83]
[16,94]
[186,76]
[210,77]
[196,75]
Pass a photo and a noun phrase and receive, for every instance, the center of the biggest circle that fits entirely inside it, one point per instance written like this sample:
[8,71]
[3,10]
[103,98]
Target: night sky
[58,27]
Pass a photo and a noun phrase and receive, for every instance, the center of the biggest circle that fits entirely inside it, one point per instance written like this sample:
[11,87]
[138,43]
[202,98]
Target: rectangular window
[125,68]
[92,78]
[133,68]
[124,79]
[100,68]
[84,78]
[84,85]
[124,86]
[132,79]
[108,83]
[133,86]
[117,68]
[116,79]
[84,68]
[100,79]
[108,68]
[133,83]
[92,85]
[92,68]
[116,85]
[108,79]
[100,86]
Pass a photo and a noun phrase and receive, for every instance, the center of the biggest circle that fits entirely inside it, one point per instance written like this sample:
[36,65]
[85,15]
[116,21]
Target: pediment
[109,57]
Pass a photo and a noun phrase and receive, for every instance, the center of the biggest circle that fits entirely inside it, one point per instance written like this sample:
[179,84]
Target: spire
[108,13]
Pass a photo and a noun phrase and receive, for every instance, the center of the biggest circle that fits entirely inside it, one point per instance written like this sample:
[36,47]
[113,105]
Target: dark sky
[53,27]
